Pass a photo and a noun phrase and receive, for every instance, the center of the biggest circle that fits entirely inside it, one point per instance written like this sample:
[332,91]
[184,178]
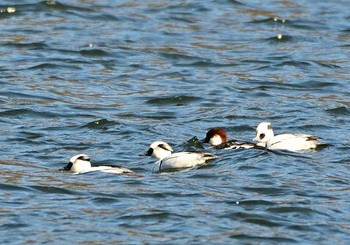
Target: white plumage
[80,164]
[171,161]
[291,142]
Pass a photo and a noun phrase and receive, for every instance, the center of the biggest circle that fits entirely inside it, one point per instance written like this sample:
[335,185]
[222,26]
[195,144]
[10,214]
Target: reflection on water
[105,78]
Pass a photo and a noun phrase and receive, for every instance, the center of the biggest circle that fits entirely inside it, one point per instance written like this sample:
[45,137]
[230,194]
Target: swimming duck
[291,142]
[80,164]
[167,160]
[218,139]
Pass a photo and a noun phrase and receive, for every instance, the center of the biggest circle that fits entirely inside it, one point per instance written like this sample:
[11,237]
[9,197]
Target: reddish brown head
[215,136]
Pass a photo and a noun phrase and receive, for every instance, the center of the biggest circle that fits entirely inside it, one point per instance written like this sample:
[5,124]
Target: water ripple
[107,78]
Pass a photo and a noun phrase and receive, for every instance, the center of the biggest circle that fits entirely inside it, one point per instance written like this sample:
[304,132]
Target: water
[107,78]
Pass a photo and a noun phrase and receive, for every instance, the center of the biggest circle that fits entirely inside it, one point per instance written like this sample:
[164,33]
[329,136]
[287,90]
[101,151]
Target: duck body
[235,144]
[80,164]
[182,160]
[217,138]
[167,160]
[291,142]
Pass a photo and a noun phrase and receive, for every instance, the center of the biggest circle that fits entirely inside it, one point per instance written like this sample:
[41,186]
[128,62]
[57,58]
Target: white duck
[291,142]
[80,164]
[218,139]
[171,161]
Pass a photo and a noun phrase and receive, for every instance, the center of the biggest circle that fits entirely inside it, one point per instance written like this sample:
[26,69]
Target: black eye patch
[69,166]
[261,136]
[149,152]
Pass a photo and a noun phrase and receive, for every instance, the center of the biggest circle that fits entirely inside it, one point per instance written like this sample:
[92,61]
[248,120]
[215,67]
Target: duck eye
[261,136]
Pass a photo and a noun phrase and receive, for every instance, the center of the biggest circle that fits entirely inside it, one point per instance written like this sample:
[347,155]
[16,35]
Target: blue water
[107,78]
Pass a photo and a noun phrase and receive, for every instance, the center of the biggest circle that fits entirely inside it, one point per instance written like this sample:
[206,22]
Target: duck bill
[147,153]
[204,141]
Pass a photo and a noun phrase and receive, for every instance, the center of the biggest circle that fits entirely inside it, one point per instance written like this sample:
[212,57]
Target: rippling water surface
[107,78]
